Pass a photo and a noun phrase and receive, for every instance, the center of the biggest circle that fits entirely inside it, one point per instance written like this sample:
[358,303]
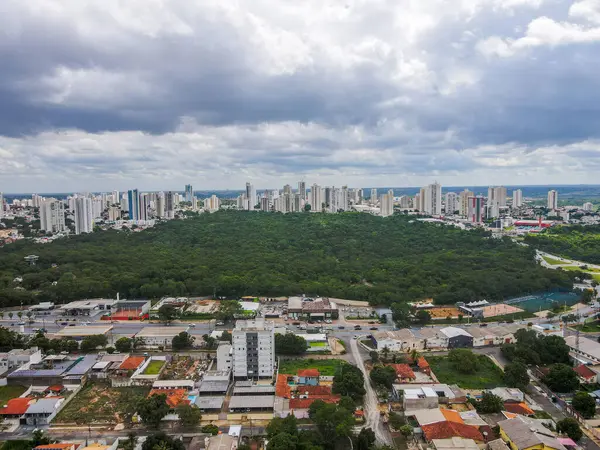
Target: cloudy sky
[154,94]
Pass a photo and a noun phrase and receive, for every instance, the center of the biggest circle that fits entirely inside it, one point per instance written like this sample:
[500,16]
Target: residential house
[497,444]
[523,434]
[425,396]
[19,357]
[308,376]
[482,336]
[42,411]
[174,397]
[57,446]
[455,443]
[129,366]
[448,430]
[518,408]
[396,341]
[404,373]
[508,394]
[15,408]
[457,337]
[585,374]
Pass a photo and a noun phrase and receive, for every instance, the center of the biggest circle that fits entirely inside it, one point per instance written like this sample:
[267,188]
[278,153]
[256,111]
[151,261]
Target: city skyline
[360,93]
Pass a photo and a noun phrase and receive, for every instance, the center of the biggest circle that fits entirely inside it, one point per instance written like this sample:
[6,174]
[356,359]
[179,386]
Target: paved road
[372,416]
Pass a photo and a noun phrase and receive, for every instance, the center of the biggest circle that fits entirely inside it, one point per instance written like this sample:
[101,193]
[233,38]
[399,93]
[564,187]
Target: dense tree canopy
[350,382]
[463,360]
[162,441]
[289,344]
[234,253]
[561,378]
[489,403]
[570,427]
[515,374]
[532,348]
[584,404]
[153,409]
[183,341]
[578,242]
[383,376]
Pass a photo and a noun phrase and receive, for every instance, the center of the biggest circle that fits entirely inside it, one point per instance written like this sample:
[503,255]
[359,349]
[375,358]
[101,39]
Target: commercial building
[87,307]
[160,336]
[189,193]
[79,332]
[457,337]
[42,411]
[553,200]
[250,199]
[312,308]
[133,203]
[253,349]
[84,221]
[52,216]
[399,340]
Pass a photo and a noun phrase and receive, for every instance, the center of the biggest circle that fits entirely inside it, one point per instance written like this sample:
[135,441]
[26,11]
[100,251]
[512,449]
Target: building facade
[52,216]
[552,200]
[253,349]
[84,222]
[517,198]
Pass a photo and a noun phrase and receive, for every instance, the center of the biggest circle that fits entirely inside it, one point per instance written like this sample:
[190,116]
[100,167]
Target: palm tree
[385,353]
[29,314]
[10,315]
[414,355]
[20,314]
[137,342]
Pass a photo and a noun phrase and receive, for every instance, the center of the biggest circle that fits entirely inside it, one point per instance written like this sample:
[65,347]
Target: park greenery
[578,242]
[162,441]
[349,381]
[531,348]
[234,253]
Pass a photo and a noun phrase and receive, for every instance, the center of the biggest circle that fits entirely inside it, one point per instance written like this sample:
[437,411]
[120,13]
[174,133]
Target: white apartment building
[224,356]
[1,205]
[517,198]
[451,203]
[432,199]
[404,201]
[302,190]
[387,205]
[464,202]
[253,349]
[586,206]
[497,194]
[114,213]
[552,200]
[212,203]
[250,200]
[316,198]
[373,197]
[52,216]
[84,221]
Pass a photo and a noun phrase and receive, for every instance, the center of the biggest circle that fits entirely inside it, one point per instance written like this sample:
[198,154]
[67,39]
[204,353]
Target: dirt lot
[442,313]
[181,368]
[202,306]
[99,403]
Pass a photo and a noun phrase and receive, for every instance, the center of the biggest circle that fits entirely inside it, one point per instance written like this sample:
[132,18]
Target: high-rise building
[373,197]
[133,204]
[115,197]
[159,206]
[250,197]
[432,202]
[265,204]
[1,205]
[242,202]
[170,205]
[52,216]
[464,197]
[451,203]
[114,213]
[552,200]
[476,207]
[194,203]
[493,209]
[124,202]
[386,205]
[343,202]
[287,189]
[144,206]
[298,203]
[189,192]
[97,207]
[517,198]
[587,206]
[417,201]
[497,194]
[328,197]
[36,200]
[84,222]
[316,198]
[212,203]
[253,343]
[302,190]
[404,202]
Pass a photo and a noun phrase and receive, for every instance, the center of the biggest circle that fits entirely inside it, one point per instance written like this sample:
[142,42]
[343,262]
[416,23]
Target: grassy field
[553,261]
[9,392]
[595,273]
[591,327]
[326,367]
[153,368]
[488,375]
[99,403]
[318,344]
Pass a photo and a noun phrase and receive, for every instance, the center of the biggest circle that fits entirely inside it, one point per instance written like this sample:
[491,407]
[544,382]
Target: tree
[211,342]
[39,438]
[282,441]
[385,353]
[347,403]
[561,378]
[182,341]
[289,344]
[515,374]
[401,314]
[383,376]
[332,421]
[11,315]
[167,313]
[588,296]
[279,425]
[153,409]
[189,416]
[422,317]
[464,361]
[406,430]
[374,356]
[489,403]
[584,404]
[123,345]
[570,427]
[162,441]
[210,429]
[228,309]
[91,343]
[349,381]
[396,420]
[130,442]
[365,439]
[226,336]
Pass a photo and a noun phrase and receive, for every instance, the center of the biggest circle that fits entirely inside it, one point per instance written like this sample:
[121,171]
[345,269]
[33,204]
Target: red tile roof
[314,391]
[175,397]
[304,403]
[422,363]
[308,373]
[132,363]
[403,371]
[447,430]
[16,406]
[56,388]
[282,388]
[584,372]
[518,408]
[61,445]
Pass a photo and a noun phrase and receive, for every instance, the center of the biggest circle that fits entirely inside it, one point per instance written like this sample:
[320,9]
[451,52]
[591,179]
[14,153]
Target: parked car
[358,327]
[295,323]
[341,327]
[193,325]
[373,328]
[21,323]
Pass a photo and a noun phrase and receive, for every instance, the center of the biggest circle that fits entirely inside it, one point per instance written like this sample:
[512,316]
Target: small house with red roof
[175,397]
[585,374]
[15,408]
[308,377]
[404,373]
[518,408]
[58,446]
[447,430]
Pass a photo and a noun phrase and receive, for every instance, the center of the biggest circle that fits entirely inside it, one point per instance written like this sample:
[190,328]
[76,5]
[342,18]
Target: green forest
[234,253]
[578,242]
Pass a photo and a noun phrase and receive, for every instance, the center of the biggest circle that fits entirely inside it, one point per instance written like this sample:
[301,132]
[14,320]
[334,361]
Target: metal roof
[214,386]
[44,406]
[252,401]
[256,389]
[454,332]
[209,402]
